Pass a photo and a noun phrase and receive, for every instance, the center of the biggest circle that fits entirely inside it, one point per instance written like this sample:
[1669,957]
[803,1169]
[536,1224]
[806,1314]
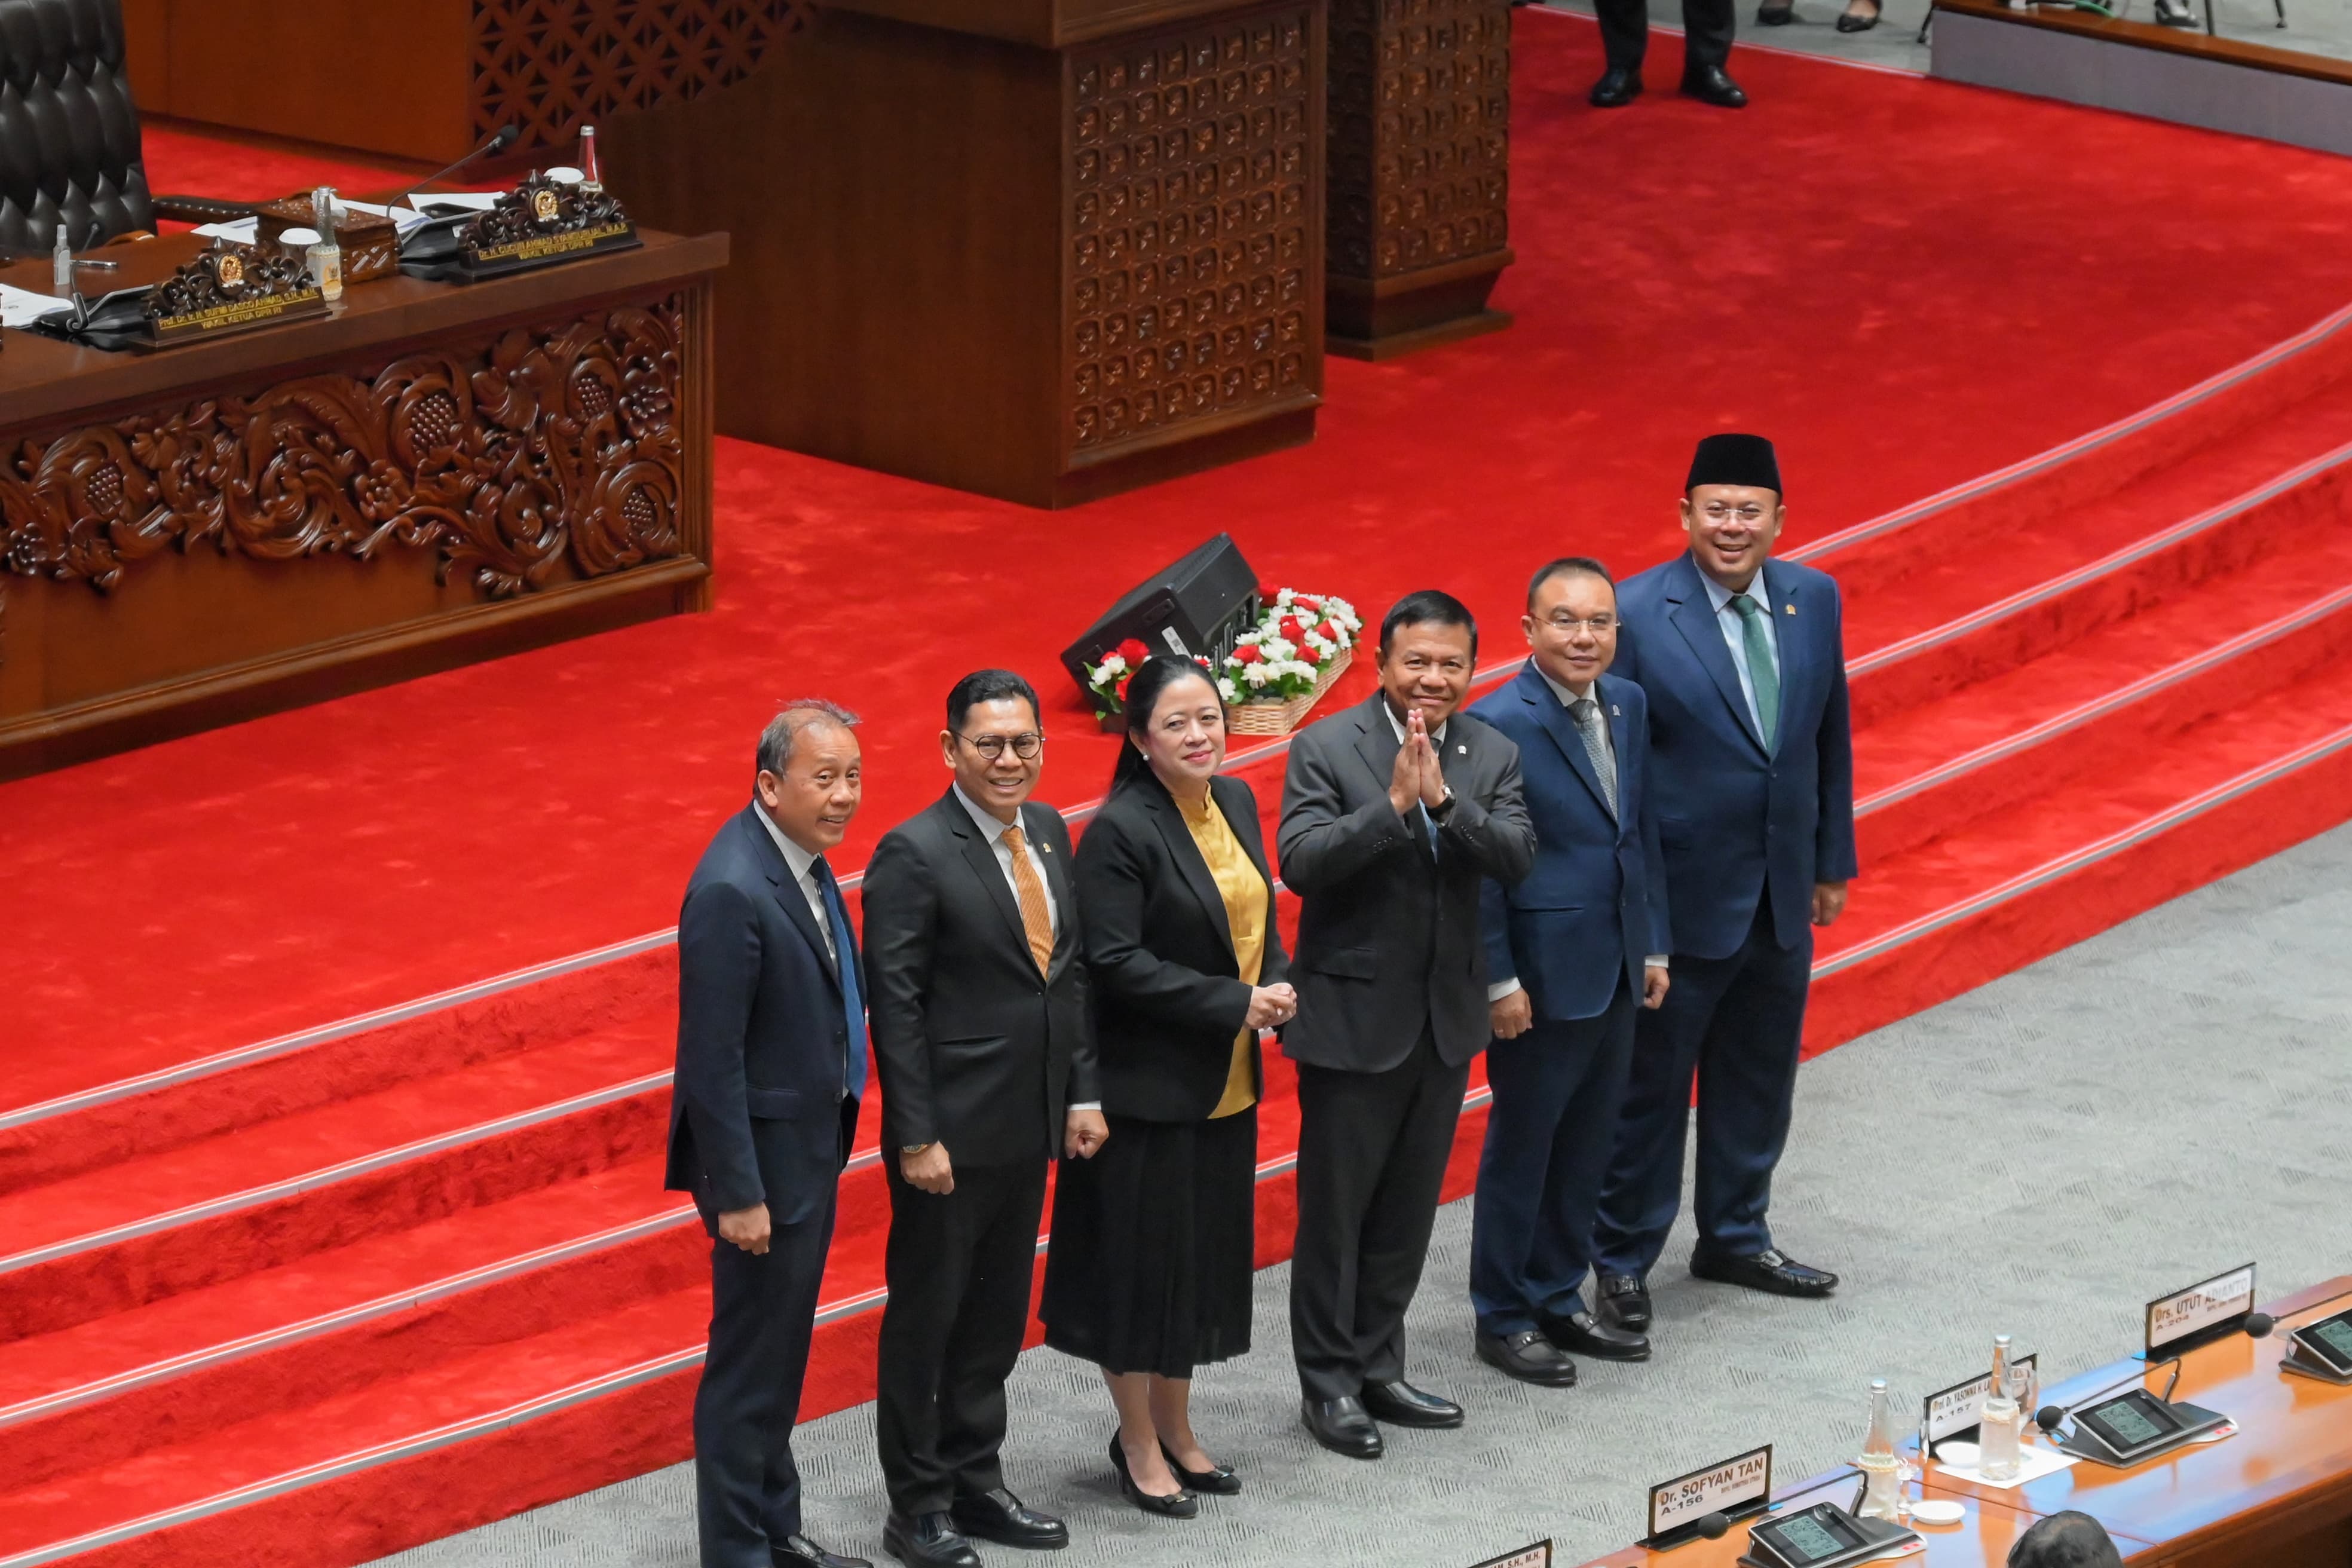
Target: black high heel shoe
[1180,1504]
[1848,22]
[1221,1481]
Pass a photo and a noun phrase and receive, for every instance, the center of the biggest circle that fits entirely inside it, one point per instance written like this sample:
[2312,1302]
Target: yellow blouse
[1244,893]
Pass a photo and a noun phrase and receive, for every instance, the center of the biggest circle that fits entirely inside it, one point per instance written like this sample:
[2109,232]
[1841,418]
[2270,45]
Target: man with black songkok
[1742,660]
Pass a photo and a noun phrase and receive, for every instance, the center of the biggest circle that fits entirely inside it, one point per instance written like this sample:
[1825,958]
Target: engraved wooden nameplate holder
[229,289]
[538,223]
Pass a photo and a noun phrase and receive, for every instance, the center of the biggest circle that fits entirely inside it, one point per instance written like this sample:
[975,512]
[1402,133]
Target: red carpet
[357,1294]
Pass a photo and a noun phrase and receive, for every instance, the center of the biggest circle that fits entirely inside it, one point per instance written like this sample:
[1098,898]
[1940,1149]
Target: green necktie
[1762,675]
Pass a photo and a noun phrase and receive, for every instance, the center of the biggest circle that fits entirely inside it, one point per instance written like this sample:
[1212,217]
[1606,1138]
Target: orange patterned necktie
[1036,915]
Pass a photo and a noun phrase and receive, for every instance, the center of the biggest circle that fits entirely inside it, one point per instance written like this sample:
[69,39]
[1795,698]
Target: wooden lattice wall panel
[553,66]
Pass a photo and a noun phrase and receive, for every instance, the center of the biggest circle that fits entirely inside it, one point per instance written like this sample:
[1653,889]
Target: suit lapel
[788,895]
[1615,712]
[981,856]
[1540,697]
[1788,638]
[1694,616]
[1182,848]
[1058,888]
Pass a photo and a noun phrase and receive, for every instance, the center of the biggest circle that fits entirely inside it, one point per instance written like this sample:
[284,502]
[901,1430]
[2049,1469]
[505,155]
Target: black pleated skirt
[1153,1241]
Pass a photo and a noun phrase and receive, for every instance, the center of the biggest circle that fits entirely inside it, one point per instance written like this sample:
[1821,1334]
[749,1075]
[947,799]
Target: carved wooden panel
[1192,226]
[553,66]
[553,442]
[1419,118]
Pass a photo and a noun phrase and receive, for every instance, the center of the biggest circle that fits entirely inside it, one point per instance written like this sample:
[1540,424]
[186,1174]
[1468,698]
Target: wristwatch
[1438,811]
[912,1148]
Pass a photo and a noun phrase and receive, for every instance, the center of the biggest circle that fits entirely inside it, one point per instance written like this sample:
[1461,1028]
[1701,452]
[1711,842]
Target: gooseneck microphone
[496,142]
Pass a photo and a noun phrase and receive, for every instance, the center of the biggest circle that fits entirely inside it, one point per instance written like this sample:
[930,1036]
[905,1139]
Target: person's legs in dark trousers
[927,1264]
[1561,1245]
[747,1489]
[1708,29]
[1747,1086]
[1624,32]
[1351,1128]
[1394,1241]
[1532,1077]
[1642,1189]
[990,1325]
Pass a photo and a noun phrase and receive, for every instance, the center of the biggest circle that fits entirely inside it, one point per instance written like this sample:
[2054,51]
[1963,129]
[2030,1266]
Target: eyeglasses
[1024,745]
[1599,626]
[1718,512]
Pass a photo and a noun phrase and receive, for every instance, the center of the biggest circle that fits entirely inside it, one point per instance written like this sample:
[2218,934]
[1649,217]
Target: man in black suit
[772,1058]
[983,1037]
[1394,814]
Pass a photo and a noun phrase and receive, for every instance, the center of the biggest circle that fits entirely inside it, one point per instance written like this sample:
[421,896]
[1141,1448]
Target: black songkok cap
[1732,459]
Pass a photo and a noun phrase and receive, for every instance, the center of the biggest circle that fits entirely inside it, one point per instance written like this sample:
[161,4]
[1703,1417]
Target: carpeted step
[2096,703]
[2020,881]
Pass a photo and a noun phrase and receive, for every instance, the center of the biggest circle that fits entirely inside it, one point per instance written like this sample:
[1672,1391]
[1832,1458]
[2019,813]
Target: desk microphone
[2050,1418]
[2260,1325]
[498,142]
[1713,1526]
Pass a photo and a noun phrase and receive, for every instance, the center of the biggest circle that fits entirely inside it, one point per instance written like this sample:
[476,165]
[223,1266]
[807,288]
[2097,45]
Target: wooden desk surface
[1982,1540]
[43,380]
[2287,1471]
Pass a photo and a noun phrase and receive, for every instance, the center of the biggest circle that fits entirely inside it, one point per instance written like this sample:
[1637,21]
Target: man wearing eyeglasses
[1573,950]
[985,1047]
[1742,659]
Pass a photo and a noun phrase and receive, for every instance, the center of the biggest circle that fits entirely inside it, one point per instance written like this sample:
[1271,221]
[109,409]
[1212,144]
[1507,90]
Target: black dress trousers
[960,1265]
[1708,29]
[1372,1149]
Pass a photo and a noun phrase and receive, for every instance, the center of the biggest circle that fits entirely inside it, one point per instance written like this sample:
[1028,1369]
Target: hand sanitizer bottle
[62,266]
[1882,1471]
[2002,1421]
[326,257]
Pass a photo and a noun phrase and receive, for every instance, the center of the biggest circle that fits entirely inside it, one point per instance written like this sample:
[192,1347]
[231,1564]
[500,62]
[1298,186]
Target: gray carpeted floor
[2039,1157]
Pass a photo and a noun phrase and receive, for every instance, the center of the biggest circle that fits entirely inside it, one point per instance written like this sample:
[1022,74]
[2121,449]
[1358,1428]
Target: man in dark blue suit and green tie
[1743,661]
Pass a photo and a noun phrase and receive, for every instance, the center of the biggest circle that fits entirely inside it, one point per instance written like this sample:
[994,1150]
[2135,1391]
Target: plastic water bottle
[1998,1428]
[62,266]
[1882,1471]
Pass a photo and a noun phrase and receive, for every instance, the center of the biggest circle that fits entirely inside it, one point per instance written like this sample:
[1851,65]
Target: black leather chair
[69,148]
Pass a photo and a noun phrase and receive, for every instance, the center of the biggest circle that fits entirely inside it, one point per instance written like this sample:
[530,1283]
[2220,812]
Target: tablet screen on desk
[2131,1421]
[1811,1541]
[2335,1334]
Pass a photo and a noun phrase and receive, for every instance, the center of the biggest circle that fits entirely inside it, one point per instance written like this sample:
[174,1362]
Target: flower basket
[1280,718]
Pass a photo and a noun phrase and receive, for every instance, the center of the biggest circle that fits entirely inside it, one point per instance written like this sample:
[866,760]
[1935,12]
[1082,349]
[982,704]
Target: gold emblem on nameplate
[230,271]
[542,206]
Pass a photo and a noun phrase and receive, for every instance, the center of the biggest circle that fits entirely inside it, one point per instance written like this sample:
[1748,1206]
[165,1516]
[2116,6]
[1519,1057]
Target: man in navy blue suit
[1743,661]
[772,1058]
[1572,952]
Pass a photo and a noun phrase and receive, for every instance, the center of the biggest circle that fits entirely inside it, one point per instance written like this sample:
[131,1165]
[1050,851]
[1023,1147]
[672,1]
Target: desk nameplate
[1733,1488]
[2199,1313]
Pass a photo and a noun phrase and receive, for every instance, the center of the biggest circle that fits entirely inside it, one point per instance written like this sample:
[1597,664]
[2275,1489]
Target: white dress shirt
[1569,698]
[993,830]
[803,869]
[1735,634]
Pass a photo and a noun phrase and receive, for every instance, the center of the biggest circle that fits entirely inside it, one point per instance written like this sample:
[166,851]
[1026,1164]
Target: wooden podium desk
[1039,249]
[2277,1495]
[434,475]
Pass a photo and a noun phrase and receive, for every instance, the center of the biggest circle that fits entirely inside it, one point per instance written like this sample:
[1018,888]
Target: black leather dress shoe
[1769,1271]
[1399,1403]
[1528,1356]
[1709,84]
[1218,1480]
[1775,15]
[1341,1425]
[1624,1299]
[1178,1504]
[1000,1517]
[1617,87]
[800,1552]
[927,1540]
[1588,1335]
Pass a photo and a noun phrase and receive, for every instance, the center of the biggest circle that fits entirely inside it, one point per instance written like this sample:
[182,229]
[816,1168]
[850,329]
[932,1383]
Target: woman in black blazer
[1148,1272]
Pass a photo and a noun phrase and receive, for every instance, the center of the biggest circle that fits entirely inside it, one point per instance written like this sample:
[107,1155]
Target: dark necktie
[1587,714]
[845,960]
[1761,676]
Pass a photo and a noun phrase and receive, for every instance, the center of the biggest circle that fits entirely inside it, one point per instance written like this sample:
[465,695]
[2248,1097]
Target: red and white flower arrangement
[1106,681]
[1297,639]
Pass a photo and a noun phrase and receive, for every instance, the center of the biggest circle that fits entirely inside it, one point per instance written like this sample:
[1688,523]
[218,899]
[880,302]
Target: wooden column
[1419,171]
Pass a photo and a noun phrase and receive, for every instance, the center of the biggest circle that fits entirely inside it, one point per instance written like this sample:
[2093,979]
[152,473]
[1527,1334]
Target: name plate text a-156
[2203,1312]
[1735,1486]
